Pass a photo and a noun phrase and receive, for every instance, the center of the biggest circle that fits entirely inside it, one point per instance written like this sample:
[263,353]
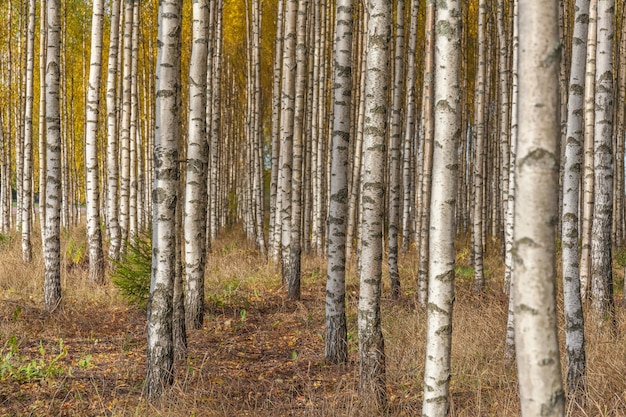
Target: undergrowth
[259,354]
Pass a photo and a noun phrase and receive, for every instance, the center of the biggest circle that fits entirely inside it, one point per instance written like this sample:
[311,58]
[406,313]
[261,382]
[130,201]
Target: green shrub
[131,273]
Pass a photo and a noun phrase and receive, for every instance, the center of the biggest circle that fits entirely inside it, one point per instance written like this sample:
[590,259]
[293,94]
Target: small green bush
[131,273]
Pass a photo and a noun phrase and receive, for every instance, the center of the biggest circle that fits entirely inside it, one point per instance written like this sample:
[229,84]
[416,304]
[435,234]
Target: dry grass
[260,355]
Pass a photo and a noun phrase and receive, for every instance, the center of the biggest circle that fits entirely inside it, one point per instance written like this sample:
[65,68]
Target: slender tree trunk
[295,248]
[409,127]
[134,122]
[509,343]
[160,352]
[371,342]
[573,311]
[601,245]
[43,23]
[479,112]
[588,179]
[442,208]
[27,189]
[395,153]
[197,164]
[286,130]
[428,126]
[274,230]
[336,327]
[94,235]
[127,80]
[112,124]
[536,211]
[51,248]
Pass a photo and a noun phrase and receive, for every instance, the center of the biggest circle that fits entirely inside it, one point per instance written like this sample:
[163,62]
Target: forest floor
[258,354]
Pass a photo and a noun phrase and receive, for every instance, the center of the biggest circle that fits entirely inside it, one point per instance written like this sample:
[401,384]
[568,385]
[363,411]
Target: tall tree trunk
[27,189]
[588,178]
[274,229]
[112,124]
[197,164]
[428,126]
[371,342]
[336,327]
[409,127]
[395,153]
[51,248]
[295,241]
[536,211]
[601,245]
[92,110]
[160,352]
[479,112]
[43,23]
[509,343]
[133,131]
[573,311]
[286,131]
[127,80]
[442,208]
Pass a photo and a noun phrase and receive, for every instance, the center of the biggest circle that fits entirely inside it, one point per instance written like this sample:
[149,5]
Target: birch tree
[286,130]
[336,327]
[196,173]
[124,138]
[479,112]
[395,152]
[428,125]
[509,283]
[295,248]
[574,319]
[52,232]
[536,211]
[371,343]
[27,194]
[409,125]
[112,145]
[588,177]
[160,351]
[601,245]
[442,208]
[43,23]
[92,110]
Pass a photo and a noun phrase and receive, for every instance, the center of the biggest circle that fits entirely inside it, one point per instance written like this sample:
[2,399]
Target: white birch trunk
[127,80]
[509,283]
[52,232]
[286,130]
[588,178]
[536,212]
[197,169]
[428,126]
[371,342]
[395,153]
[112,142]
[160,351]
[92,110]
[479,113]
[274,229]
[27,188]
[601,246]
[295,240]
[336,327]
[574,319]
[442,208]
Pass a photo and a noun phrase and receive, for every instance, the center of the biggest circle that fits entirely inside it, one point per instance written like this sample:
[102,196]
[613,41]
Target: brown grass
[261,355]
